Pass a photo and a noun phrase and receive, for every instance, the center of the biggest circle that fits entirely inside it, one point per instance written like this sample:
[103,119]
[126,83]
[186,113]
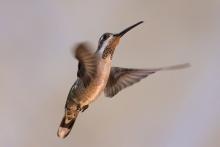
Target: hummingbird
[96,75]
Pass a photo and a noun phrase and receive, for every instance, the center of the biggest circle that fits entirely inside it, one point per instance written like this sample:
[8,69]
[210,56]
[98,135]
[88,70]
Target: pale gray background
[168,109]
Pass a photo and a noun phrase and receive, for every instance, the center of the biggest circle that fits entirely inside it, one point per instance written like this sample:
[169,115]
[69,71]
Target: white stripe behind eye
[104,45]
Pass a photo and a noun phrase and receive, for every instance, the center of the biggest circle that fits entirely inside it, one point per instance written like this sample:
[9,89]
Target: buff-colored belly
[97,84]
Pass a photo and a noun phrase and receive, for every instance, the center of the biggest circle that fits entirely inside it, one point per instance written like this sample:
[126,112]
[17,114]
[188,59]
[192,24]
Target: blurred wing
[121,78]
[87,63]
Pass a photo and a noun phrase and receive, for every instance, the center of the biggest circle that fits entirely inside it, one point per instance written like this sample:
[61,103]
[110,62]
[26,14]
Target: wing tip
[177,67]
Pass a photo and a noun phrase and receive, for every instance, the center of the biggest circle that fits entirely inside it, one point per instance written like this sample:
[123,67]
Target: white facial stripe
[104,45]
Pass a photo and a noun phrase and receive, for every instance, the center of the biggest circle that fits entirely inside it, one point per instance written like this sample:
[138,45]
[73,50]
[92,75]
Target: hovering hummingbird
[96,75]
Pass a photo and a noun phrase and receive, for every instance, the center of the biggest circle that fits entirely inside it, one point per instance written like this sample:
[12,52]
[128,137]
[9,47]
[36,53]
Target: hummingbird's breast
[99,82]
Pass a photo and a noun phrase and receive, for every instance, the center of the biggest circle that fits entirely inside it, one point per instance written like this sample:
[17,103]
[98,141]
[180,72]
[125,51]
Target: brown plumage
[96,75]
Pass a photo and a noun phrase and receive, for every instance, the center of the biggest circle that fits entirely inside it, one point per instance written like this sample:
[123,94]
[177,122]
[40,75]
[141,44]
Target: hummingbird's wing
[121,78]
[87,63]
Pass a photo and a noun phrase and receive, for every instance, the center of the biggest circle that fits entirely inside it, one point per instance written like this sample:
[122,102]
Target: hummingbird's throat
[110,48]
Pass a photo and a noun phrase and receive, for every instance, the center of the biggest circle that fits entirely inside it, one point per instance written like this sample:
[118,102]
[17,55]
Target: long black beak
[128,29]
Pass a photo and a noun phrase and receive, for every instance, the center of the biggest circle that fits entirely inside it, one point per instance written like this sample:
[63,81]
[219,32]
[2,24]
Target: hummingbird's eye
[104,37]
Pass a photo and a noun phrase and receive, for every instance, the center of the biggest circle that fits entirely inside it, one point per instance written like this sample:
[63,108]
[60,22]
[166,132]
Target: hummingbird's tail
[67,123]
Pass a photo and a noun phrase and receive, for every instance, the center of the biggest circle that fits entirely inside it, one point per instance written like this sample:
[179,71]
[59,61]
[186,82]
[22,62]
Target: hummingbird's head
[109,41]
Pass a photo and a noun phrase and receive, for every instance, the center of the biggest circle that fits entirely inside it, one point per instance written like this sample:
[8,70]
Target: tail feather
[66,125]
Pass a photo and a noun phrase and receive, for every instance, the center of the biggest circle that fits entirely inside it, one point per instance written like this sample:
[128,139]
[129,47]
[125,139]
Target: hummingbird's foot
[79,108]
[85,107]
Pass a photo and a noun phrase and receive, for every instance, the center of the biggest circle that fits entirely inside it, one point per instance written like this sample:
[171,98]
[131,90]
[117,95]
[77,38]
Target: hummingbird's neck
[105,50]
[105,53]
[108,52]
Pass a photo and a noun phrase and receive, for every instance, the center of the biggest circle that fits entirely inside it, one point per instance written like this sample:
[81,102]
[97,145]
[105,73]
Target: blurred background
[168,109]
